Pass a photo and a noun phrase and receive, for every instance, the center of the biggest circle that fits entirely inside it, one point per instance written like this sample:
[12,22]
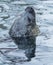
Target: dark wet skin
[28,43]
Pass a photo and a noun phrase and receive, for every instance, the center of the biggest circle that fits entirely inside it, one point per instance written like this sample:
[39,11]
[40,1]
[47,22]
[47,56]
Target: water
[10,9]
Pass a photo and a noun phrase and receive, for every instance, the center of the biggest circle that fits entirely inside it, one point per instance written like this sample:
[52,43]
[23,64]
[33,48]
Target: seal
[23,32]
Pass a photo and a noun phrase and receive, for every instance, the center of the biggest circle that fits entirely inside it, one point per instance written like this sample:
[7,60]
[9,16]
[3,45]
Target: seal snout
[30,15]
[30,10]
